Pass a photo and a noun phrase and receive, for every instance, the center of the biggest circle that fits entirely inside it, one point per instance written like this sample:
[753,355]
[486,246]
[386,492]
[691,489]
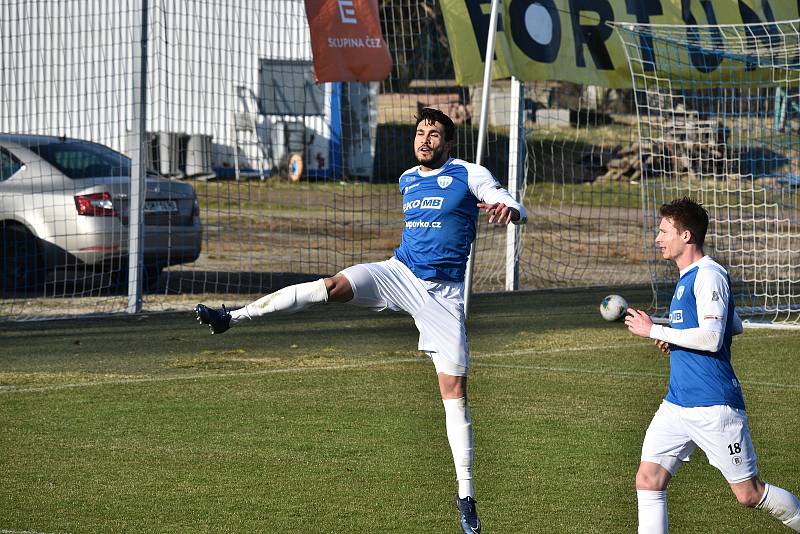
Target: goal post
[514,130]
[718,121]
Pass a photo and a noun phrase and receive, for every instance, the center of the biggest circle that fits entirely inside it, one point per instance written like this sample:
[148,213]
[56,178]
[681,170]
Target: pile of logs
[624,164]
[678,143]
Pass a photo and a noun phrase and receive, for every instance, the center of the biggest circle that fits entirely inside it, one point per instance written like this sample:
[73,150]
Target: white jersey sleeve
[690,338]
[712,293]
[487,189]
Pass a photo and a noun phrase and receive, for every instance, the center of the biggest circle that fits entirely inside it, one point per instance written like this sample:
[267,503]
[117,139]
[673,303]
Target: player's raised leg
[731,451]
[776,501]
[290,299]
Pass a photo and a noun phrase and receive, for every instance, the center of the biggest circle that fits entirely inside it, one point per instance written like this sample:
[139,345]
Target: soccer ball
[613,308]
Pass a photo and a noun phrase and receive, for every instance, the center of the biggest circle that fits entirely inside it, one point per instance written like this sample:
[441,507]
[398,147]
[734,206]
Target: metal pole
[515,138]
[138,181]
[487,82]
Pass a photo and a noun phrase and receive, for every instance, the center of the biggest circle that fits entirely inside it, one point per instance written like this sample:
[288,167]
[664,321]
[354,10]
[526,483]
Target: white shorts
[437,308]
[722,432]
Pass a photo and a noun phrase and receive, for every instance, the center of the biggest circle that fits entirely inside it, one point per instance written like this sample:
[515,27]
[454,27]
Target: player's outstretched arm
[493,198]
[500,213]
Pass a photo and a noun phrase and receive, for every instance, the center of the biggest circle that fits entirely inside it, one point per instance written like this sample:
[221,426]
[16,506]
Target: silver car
[64,213]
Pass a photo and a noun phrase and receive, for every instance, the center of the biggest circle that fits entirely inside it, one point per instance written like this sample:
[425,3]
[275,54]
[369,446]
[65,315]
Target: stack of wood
[689,147]
[684,145]
[624,164]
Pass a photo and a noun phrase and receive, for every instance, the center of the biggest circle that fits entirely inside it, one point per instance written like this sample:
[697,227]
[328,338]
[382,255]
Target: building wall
[67,68]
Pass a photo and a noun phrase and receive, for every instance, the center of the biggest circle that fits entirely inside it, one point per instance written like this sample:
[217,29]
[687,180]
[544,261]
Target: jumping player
[442,198]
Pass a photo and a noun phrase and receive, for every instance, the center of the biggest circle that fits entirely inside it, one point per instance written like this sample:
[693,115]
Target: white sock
[459,434]
[288,300]
[652,512]
[782,505]
[237,316]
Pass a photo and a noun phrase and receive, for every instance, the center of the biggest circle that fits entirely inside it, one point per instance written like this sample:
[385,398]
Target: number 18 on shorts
[722,432]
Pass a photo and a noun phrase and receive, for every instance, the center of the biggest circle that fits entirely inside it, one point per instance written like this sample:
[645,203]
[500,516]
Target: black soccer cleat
[217,321]
[468,515]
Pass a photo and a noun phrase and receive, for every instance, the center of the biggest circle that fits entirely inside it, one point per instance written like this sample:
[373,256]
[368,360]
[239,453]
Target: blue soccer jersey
[701,378]
[440,214]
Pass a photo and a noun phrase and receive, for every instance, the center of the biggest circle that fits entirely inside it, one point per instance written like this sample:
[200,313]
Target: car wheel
[20,261]
[150,277]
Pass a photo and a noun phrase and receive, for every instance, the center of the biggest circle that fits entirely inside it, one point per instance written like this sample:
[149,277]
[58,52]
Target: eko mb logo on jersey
[427,203]
[676,316]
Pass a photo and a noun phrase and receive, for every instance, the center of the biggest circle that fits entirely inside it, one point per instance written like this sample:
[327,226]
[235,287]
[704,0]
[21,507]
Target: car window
[8,165]
[81,159]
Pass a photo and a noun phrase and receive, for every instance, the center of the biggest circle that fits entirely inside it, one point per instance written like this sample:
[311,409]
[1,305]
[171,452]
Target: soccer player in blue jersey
[442,198]
[704,406]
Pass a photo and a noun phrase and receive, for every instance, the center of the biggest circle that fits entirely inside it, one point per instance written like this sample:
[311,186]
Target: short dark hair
[435,115]
[686,214]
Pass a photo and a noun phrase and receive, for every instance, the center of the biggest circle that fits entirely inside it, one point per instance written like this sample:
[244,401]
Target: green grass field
[330,421]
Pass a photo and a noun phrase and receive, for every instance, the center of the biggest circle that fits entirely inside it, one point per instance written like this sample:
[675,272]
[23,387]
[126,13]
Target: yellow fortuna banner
[571,40]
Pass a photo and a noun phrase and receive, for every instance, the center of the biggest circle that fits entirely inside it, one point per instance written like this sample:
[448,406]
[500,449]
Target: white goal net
[719,119]
[257,177]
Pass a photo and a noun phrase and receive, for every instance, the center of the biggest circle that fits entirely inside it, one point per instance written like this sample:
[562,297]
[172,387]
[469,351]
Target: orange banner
[346,41]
